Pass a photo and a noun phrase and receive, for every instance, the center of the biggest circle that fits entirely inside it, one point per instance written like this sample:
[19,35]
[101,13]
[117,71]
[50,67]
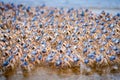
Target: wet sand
[49,74]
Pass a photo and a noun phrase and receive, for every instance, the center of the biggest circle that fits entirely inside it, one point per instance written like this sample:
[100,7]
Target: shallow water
[111,6]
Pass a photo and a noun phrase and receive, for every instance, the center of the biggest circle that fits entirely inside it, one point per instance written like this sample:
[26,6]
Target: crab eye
[58,62]
[67,45]
[86,61]
[50,13]
[112,58]
[115,48]
[118,51]
[22,59]
[24,46]
[108,52]
[3,39]
[34,18]
[93,30]
[5,63]
[10,58]
[118,14]
[40,57]
[103,43]
[117,41]
[33,59]
[102,49]
[108,19]
[91,55]
[104,31]
[82,13]
[34,52]
[101,27]
[112,33]
[49,58]
[43,50]
[108,37]
[90,40]
[42,12]
[97,21]
[111,26]
[1,26]
[58,47]
[98,59]
[37,38]
[17,27]
[25,63]
[84,50]
[76,59]
[113,39]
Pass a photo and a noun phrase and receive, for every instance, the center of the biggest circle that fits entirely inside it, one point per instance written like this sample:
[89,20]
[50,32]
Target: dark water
[111,6]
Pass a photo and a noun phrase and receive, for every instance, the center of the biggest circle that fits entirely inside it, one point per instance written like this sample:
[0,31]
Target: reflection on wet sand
[42,73]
